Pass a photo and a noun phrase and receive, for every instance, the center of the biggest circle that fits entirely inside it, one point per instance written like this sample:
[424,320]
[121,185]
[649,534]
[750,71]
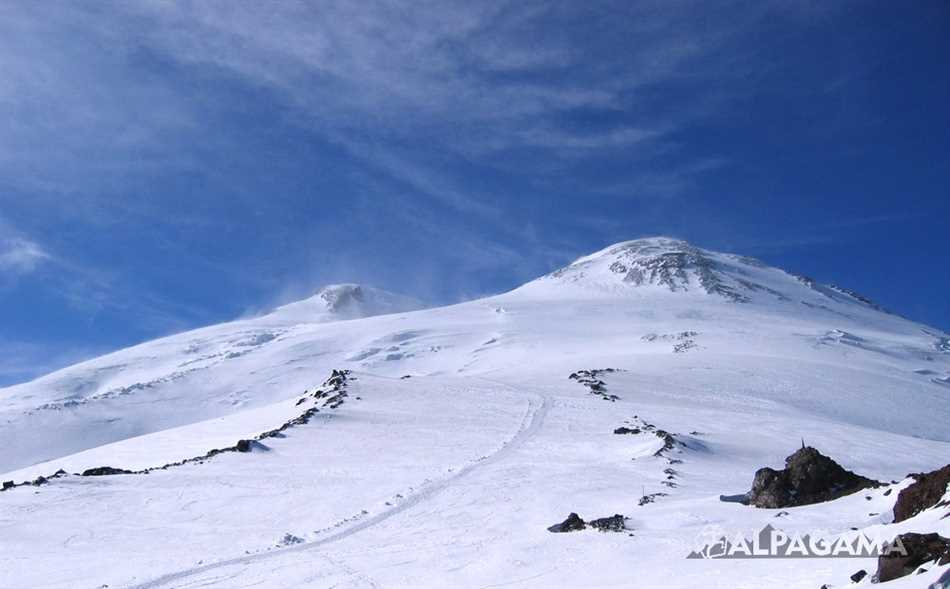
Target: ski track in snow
[532,419]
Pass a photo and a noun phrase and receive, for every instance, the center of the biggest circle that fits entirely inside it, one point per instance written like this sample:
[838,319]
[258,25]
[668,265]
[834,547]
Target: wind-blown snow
[451,477]
[344,301]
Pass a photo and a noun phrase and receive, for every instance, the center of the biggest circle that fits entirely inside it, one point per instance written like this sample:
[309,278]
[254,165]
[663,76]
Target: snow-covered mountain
[458,437]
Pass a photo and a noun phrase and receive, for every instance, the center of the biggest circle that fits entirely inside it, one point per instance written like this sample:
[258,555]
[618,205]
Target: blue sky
[165,165]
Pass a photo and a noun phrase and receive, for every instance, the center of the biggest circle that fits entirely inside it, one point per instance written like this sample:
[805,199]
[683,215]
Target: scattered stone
[573,523]
[683,346]
[856,577]
[809,477]
[589,378]
[920,549]
[669,440]
[290,540]
[102,471]
[650,498]
[626,430]
[682,341]
[925,493]
[614,523]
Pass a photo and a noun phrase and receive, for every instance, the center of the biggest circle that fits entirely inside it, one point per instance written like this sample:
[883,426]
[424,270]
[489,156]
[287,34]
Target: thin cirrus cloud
[102,97]
[20,256]
[431,64]
[472,79]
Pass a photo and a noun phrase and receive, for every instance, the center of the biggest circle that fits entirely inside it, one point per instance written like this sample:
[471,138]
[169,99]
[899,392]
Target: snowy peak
[346,301]
[343,298]
[666,265]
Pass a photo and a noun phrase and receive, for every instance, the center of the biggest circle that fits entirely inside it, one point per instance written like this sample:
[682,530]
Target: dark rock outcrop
[808,477]
[640,426]
[651,498]
[591,380]
[102,471]
[856,577]
[920,549]
[926,492]
[614,523]
[243,446]
[626,430]
[8,485]
[573,523]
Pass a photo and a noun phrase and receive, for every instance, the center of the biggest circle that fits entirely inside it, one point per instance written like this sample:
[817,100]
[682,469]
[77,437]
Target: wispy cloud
[463,78]
[20,256]
[431,96]
[21,361]
[586,141]
[85,288]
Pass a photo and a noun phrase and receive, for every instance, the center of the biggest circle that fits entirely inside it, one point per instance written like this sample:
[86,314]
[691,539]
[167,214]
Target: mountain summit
[657,265]
[346,301]
[671,264]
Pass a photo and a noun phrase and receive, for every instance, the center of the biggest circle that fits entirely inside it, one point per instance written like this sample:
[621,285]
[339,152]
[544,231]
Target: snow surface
[450,478]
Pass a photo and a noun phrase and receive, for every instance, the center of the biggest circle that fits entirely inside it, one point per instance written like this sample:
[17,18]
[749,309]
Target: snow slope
[451,477]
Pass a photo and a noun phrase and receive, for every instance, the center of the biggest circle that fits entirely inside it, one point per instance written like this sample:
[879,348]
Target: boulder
[102,471]
[926,492]
[920,549]
[808,477]
[856,577]
[243,446]
[8,485]
[573,523]
[614,523]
